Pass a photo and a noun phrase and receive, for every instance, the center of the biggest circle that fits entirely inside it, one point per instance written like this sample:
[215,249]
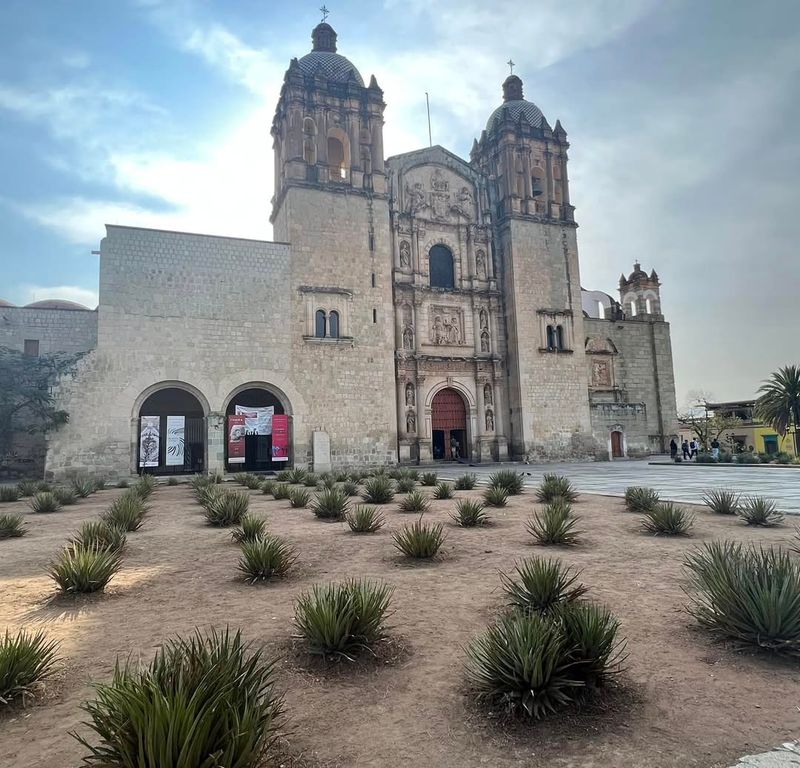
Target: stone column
[424,427]
[500,421]
[548,164]
[564,180]
[215,455]
[415,308]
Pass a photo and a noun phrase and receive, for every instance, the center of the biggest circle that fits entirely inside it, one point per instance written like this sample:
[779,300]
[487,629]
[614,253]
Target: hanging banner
[257,420]
[149,440]
[280,437]
[176,428]
[236,433]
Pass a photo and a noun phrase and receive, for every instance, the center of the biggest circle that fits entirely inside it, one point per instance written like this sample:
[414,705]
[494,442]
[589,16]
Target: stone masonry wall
[56,330]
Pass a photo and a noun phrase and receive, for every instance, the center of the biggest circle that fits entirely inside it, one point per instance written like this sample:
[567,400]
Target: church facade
[414,308]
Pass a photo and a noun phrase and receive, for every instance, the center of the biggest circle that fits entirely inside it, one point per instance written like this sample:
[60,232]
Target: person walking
[453,448]
[685,447]
[673,448]
[715,449]
[693,449]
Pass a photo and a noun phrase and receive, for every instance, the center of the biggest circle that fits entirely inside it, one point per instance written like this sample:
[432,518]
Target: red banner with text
[236,433]
[280,437]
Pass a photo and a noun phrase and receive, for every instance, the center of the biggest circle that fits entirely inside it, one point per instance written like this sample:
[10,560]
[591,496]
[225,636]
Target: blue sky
[683,118]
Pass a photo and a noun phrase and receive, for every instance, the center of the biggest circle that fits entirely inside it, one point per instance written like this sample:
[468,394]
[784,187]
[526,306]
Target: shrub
[11,526]
[640,500]
[265,557]
[127,512]
[667,519]
[760,511]
[555,487]
[405,485]
[267,486]
[299,497]
[227,508]
[99,484]
[419,540]
[429,478]
[43,486]
[172,481]
[395,474]
[470,513]
[722,502]
[250,528]
[364,519]
[349,488]
[207,701]
[296,477]
[340,620]
[378,490]
[507,479]
[783,458]
[310,480]
[198,483]
[83,486]
[443,491]
[534,664]
[79,569]
[26,659]
[466,482]
[541,585]
[10,493]
[44,502]
[330,504]
[252,482]
[123,483]
[27,487]
[725,457]
[747,458]
[410,474]
[100,534]
[327,480]
[414,502]
[207,493]
[65,496]
[705,458]
[341,477]
[750,596]
[285,475]
[280,491]
[554,525]
[239,477]
[144,487]
[495,497]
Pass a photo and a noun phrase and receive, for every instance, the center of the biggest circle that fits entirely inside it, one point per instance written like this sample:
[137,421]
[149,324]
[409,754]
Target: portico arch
[450,439]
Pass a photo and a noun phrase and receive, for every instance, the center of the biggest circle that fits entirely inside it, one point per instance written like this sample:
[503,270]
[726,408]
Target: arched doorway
[449,426]
[172,433]
[617,448]
[257,405]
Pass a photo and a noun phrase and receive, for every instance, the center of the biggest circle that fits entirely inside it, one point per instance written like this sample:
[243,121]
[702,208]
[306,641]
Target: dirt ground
[684,701]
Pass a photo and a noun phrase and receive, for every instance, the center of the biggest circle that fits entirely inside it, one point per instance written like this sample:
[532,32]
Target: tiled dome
[55,304]
[324,58]
[516,105]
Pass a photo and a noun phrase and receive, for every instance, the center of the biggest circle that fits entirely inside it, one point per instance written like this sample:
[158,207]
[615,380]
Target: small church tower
[639,294]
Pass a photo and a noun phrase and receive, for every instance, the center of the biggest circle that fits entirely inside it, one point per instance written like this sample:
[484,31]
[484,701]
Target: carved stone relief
[601,373]
[408,337]
[484,341]
[447,325]
[411,421]
[409,394]
[480,261]
[405,254]
[489,420]
[487,394]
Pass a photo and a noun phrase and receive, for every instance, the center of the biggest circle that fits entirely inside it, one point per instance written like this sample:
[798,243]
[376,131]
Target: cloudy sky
[683,115]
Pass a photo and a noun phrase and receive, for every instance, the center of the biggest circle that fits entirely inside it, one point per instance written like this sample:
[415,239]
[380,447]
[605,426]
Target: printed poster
[149,440]
[280,437]
[258,421]
[236,433]
[176,428]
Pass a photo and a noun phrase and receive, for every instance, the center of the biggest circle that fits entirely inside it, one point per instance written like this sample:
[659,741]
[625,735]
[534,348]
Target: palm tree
[779,403]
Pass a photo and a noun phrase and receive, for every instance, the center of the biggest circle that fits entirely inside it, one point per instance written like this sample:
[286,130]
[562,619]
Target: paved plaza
[677,482]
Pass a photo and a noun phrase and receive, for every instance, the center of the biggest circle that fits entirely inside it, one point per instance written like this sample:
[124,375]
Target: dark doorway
[449,426]
[257,448]
[616,445]
[172,433]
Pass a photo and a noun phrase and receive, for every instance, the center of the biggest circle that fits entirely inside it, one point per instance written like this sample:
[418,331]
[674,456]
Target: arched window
[336,160]
[333,325]
[559,338]
[634,308]
[648,307]
[320,324]
[551,338]
[440,260]
[601,310]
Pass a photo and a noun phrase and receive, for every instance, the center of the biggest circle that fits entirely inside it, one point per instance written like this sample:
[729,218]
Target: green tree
[26,393]
[707,428]
[779,402]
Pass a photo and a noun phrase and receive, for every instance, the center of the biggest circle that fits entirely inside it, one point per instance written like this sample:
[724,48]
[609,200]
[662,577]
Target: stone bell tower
[536,251]
[640,294]
[331,206]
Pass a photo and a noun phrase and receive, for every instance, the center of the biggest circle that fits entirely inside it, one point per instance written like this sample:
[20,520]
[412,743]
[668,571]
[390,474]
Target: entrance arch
[172,433]
[261,402]
[449,426]
[617,446]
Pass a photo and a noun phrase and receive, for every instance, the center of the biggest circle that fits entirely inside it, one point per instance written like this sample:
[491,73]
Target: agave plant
[340,620]
[722,502]
[127,512]
[144,486]
[667,519]
[27,487]
[429,478]
[405,485]
[44,502]
[210,700]
[228,508]
[123,483]
[251,481]
[364,519]
[341,476]
[267,486]
[555,487]
[10,493]
[280,491]
[554,525]
[26,659]
[378,490]
[99,483]
[470,513]
[100,534]
[11,526]
[747,595]
[83,486]
[541,585]
[285,476]
[640,500]
[409,474]
[173,481]
[414,502]
[495,496]
[80,569]
[466,482]
[310,480]
[760,511]
[349,488]
[443,491]
[296,477]
[65,496]
[250,528]
[239,477]
[511,481]
[207,493]
[327,480]
[420,540]
[330,504]
[299,497]
[265,558]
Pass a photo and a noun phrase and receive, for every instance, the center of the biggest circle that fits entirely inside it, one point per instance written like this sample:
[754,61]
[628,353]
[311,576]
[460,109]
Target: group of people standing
[691,448]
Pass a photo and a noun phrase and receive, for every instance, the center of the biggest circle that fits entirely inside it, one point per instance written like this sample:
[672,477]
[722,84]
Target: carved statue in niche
[453,331]
[415,197]
[484,341]
[409,394]
[484,318]
[411,421]
[489,420]
[405,254]
[408,337]
[447,326]
[487,394]
[601,373]
[437,330]
[480,259]
[464,203]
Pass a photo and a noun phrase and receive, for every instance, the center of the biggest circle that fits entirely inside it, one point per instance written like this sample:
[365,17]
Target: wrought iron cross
[325,12]
[511,65]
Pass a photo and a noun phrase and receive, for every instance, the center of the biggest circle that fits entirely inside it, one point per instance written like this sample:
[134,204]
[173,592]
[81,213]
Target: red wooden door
[448,413]
[616,445]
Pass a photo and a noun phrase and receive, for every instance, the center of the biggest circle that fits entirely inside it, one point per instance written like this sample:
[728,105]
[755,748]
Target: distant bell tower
[640,294]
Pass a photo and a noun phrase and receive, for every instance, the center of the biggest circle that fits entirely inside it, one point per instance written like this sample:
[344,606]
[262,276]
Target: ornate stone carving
[440,195]
[405,254]
[415,197]
[484,341]
[595,344]
[489,420]
[411,421]
[408,336]
[447,326]
[464,204]
[484,320]
[488,397]
[409,394]
[601,373]
[480,262]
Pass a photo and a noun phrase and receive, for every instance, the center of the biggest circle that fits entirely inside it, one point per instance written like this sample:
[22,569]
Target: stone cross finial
[325,13]
[511,65]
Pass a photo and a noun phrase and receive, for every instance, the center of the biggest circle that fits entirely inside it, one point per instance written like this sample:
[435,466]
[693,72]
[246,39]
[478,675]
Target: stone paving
[677,482]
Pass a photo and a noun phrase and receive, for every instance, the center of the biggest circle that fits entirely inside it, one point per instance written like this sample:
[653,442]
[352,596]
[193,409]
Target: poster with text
[258,421]
[280,437]
[176,428]
[236,432]
[149,440]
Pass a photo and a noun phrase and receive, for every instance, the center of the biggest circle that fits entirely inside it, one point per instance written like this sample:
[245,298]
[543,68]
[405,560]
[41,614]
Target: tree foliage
[706,426]
[779,403]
